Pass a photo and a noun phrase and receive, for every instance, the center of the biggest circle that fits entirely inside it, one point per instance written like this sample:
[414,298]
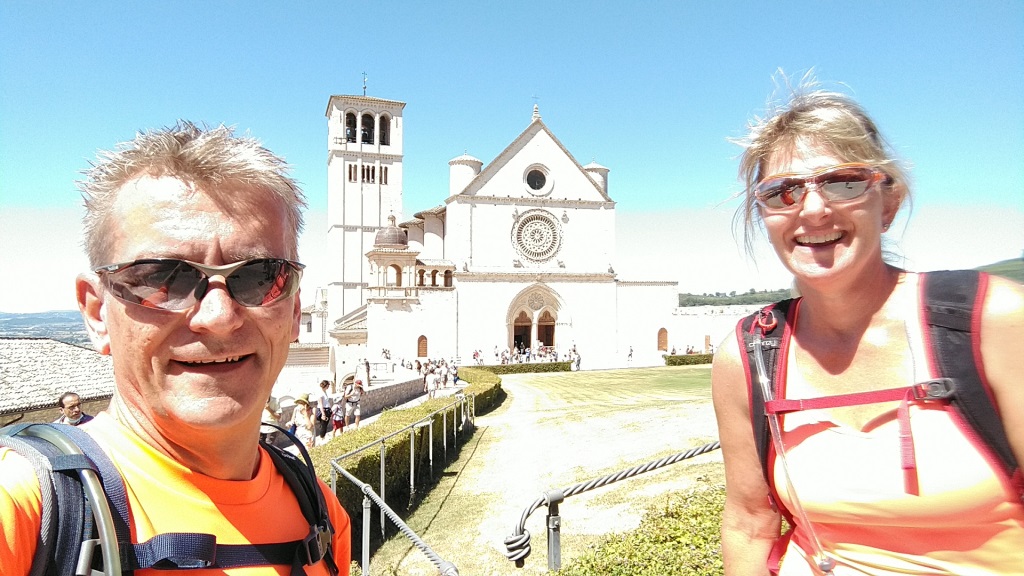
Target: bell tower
[364,186]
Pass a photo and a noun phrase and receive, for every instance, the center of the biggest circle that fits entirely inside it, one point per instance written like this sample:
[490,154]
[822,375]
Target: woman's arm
[749,525]
[1002,347]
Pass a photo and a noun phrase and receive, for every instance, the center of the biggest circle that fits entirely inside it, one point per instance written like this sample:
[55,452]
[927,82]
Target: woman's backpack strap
[774,324]
[953,301]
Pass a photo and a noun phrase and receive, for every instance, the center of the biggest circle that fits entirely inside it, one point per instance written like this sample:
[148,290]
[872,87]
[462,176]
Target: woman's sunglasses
[171,284]
[836,184]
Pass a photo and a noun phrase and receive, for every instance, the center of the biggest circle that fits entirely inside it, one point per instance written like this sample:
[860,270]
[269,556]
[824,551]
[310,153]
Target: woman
[821,181]
[302,419]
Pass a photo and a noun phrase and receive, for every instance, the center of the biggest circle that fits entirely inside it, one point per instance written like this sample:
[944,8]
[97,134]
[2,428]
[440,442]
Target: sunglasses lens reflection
[835,185]
[177,285]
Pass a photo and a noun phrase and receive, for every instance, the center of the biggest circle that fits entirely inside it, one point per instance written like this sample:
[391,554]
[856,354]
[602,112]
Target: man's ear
[94,311]
[296,316]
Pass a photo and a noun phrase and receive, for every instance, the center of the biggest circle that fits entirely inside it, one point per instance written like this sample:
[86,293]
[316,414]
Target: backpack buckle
[937,389]
[316,544]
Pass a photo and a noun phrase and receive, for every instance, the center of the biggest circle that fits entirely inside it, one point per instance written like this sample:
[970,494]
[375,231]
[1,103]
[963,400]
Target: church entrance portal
[546,329]
[521,332]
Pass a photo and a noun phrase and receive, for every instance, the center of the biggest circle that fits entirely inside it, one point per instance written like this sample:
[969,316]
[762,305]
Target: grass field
[552,431]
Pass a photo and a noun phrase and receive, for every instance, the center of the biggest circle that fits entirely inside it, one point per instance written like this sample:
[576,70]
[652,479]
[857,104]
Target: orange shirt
[966,518]
[164,497]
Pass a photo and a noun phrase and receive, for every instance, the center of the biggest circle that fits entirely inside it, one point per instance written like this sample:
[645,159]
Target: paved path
[544,437]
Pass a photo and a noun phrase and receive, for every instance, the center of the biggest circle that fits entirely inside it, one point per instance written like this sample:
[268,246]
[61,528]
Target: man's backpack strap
[953,301]
[72,497]
[773,323]
[66,542]
[301,477]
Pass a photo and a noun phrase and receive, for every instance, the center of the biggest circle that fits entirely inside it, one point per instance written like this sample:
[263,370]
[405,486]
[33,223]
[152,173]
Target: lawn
[555,430]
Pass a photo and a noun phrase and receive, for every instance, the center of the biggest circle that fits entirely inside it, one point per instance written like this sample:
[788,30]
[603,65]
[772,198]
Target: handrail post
[444,432]
[383,482]
[367,506]
[554,521]
[412,465]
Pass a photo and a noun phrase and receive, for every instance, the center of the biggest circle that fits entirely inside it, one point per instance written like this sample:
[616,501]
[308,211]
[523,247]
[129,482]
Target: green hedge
[687,359]
[525,368]
[679,537]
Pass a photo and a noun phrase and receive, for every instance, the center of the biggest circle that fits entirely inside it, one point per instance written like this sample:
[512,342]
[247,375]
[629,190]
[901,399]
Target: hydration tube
[823,561]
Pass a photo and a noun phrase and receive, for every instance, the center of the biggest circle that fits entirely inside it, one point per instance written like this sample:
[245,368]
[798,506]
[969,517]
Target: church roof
[536,125]
[440,263]
[364,100]
[464,159]
[354,320]
[435,211]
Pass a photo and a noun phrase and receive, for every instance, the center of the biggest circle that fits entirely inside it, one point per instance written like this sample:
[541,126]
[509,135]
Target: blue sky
[652,90]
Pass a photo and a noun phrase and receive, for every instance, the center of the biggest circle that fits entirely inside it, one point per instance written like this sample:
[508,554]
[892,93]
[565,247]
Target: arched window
[422,274]
[385,131]
[350,127]
[447,278]
[421,347]
[433,277]
[663,340]
[367,131]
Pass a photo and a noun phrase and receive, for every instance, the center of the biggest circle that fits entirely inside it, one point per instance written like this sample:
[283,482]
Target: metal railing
[444,567]
[468,405]
[517,545]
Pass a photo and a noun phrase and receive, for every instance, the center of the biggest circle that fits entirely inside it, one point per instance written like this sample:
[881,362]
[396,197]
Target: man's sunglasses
[836,184]
[171,284]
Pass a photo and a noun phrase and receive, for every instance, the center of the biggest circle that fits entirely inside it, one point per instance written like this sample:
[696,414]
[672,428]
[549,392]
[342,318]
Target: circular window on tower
[538,180]
[537,235]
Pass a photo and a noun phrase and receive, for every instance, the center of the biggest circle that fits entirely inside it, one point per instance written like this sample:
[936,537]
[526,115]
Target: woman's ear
[94,310]
[895,194]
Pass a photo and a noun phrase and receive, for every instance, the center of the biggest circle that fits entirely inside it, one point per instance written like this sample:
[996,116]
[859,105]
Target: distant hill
[1012,269]
[61,325]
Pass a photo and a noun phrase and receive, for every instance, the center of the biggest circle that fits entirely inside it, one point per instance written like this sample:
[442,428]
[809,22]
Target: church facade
[520,253]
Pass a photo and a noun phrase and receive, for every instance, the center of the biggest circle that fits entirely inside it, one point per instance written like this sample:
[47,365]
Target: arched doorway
[546,329]
[522,327]
[421,347]
[663,340]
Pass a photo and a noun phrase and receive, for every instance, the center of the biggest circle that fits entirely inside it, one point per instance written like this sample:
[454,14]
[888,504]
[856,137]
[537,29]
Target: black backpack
[952,310]
[85,507]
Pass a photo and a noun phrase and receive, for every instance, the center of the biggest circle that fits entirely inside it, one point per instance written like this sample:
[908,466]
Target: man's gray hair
[235,171]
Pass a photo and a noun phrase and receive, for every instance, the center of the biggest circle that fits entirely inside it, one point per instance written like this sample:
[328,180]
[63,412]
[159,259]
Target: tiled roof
[34,372]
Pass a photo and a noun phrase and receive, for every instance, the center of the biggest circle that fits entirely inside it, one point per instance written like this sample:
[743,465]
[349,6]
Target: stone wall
[377,398]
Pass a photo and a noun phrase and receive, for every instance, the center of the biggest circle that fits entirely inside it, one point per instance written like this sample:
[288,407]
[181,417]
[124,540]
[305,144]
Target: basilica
[518,254]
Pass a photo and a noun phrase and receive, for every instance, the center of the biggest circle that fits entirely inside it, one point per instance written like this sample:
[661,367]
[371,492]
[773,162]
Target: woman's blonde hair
[831,120]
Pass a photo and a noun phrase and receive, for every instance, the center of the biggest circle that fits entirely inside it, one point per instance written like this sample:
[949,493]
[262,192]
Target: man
[192,236]
[353,395]
[70,406]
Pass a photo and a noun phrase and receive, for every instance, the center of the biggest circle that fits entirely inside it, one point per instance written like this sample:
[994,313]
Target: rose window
[536,235]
